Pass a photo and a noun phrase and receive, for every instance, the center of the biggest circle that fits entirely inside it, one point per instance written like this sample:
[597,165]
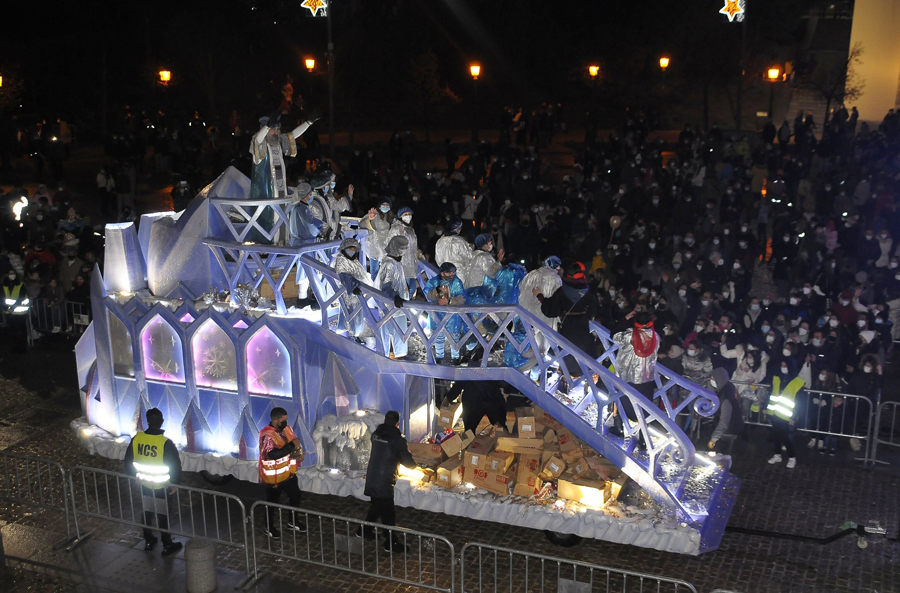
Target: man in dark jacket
[576,304]
[480,398]
[389,449]
[731,421]
[154,460]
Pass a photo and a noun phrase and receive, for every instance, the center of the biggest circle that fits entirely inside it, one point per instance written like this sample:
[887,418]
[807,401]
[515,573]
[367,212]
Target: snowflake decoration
[215,362]
[166,369]
[314,6]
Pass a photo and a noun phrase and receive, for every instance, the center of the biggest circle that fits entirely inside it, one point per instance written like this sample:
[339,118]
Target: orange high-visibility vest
[275,471]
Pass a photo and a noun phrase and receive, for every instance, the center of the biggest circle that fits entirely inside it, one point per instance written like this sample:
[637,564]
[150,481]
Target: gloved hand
[314,116]
[398,302]
[356,290]
[711,445]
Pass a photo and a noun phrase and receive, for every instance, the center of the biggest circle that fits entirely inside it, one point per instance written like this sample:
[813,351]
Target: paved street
[38,398]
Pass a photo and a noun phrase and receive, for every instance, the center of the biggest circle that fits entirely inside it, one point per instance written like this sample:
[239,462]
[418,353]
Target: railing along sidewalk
[190,512]
[890,412]
[485,568]
[417,558]
[39,483]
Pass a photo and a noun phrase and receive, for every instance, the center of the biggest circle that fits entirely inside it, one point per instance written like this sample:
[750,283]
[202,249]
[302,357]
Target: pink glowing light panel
[162,352]
[268,365]
[215,364]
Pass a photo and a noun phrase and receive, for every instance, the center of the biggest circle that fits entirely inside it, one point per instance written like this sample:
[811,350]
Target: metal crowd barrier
[39,483]
[493,569]
[421,559]
[889,411]
[70,317]
[190,512]
[817,415]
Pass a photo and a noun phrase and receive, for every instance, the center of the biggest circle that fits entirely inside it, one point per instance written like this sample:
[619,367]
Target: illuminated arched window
[122,352]
[215,364]
[162,352]
[268,365]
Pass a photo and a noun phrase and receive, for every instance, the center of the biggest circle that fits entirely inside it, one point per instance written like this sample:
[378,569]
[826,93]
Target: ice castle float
[178,325]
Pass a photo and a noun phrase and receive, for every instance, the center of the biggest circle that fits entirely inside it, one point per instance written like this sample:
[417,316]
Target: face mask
[655,202]
[443,200]
[688,256]
[651,245]
[861,323]
[743,229]
[867,368]
[699,266]
[351,253]
[743,244]
[793,301]
[692,353]
[770,339]
[726,232]
[869,237]
[845,303]
[784,370]
[333,184]
[649,262]
[282,425]
[765,328]
[715,241]
[678,267]
[786,239]
[785,352]
[385,209]
[803,331]
[689,240]
[698,328]
[704,303]
[896,276]
[621,305]
[766,302]
[712,383]
[754,307]
[612,293]
[816,342]
[878,321]
[41,217]
[795,322]
[406,218]
[12,276]
[682,293]
[807,290]
[737,266]
[821,376]
[893,263]
[833,322]
[643,290]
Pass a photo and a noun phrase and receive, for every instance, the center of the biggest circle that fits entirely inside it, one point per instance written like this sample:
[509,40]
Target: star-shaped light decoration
[731,9]
[314,6]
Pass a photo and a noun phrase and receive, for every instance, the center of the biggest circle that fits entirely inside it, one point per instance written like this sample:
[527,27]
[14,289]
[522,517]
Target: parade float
[195,313]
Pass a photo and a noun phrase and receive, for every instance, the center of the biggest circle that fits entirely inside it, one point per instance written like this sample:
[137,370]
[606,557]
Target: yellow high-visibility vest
[781,403]
[11,300]
[148,460]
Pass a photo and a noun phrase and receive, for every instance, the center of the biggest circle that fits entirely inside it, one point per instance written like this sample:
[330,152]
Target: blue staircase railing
[668,469]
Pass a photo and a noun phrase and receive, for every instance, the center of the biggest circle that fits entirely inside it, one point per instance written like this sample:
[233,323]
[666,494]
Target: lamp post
[594,73]
[310,64]
[165,76]
[475,71]
[772,75]
[663,65]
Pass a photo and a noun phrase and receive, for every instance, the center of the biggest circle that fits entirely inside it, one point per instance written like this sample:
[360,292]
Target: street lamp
[664,63]
[475,71]
[164,77]
[773,75]
[310,64]
[594,71]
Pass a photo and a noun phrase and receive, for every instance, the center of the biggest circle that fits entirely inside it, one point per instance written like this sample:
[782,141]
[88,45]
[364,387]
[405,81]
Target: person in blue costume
[501,290]
[269,147]
[446,289]
[304,226]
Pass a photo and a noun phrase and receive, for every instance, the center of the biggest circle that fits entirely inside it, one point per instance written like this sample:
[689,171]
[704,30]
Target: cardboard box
[510,421]
[572,455]
[550,436]
[290,290]
[529,465]
[500,461]
[526,423]
[527,486]
[581,469]
[449,414]
[484,425]
[544,419]
[476,460]
[496,482]
[452,446]
[614,486]
[553,468]
[482,444]
[591,493]
[426,453]
[450,473]
[548,452]
[567,440]
[511,443]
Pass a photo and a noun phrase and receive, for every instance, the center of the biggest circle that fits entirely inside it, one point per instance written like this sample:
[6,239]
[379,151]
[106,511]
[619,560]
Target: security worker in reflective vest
[154,460]
[781,412]
[16,306]
[279,454]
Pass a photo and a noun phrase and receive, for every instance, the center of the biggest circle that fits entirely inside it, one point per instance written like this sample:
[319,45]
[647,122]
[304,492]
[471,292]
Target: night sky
[236,53]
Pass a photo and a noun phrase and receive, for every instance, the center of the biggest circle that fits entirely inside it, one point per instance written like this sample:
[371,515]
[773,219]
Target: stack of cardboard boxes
[535,450]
